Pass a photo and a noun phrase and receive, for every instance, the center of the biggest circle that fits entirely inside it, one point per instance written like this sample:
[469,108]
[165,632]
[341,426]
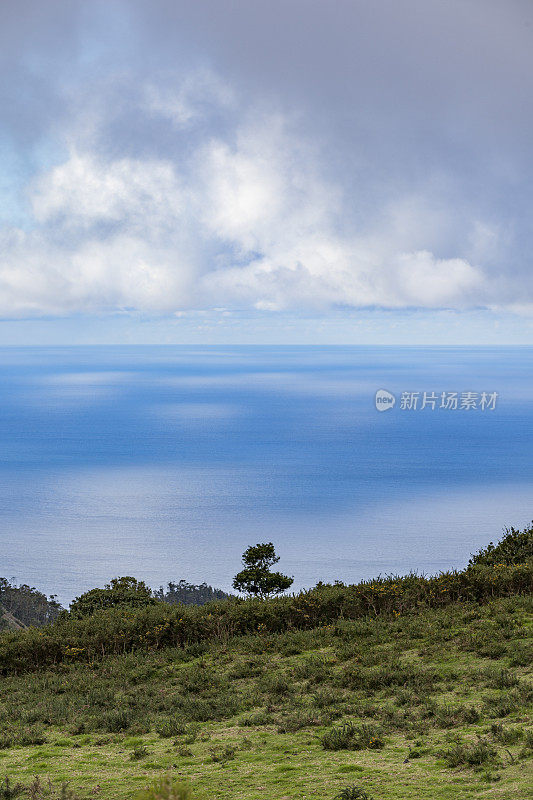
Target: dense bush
[21,735]
[353,737]
[124,592]
[516,547]
[471,755]
[122,629]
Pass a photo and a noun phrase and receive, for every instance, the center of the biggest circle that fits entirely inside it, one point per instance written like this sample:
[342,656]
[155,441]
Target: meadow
[426,696]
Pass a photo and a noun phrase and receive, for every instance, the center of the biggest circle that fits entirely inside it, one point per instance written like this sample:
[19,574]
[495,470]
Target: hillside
[8,621]
[426,701]
[25,605]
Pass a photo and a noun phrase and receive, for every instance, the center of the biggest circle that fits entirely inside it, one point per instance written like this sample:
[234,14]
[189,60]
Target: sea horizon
[166,461]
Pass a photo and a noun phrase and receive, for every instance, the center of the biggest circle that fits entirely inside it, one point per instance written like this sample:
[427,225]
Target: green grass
[434,705]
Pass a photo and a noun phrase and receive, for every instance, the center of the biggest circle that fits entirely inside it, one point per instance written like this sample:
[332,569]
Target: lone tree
[256,578]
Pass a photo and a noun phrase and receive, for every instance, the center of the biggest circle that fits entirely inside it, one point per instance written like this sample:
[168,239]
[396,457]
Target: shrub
[125,592]
[496,707]
[326,697]
[338,738]
[506,735]
[191,732]
[276,684]
[258,719]
[205,709]
[392,674]
[36,791]
[470,714]
[501,679]
[174,726]
[447,716]
[527,749]
[222,753]
[116,720]
[515,547]
[22,735]
[9,791]
[313,669]
[353,737]
[352,793]
[471,755]
[520,656]
[246,669]
[139,752]
[296,721]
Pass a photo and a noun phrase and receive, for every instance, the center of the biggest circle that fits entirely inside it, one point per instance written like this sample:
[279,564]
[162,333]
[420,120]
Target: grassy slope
[259,705]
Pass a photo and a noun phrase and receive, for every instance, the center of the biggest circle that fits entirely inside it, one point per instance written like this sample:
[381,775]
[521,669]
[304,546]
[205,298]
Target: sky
[266,171]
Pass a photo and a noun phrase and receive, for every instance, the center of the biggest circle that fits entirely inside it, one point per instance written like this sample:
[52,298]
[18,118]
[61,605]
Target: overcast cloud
[295,155]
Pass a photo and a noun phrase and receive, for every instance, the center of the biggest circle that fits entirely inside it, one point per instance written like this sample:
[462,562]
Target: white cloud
[120,272]
[85,190]
[244,219]
[424,280]
[130,271]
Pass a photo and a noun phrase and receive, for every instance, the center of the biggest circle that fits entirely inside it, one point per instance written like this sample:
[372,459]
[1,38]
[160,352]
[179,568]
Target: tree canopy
[125,591]
[257,578]
[190,594]
[26,604]
[515,547]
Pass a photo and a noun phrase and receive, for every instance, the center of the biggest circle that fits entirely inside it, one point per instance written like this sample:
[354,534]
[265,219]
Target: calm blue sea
[166,462]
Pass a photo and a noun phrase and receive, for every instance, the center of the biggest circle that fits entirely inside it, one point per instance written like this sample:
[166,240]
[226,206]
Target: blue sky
[295,171]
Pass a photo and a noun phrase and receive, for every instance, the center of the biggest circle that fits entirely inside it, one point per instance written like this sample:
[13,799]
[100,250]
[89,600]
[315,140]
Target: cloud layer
[161,188]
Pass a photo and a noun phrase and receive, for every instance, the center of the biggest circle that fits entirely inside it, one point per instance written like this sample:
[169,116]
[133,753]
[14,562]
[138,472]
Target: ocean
[166,462]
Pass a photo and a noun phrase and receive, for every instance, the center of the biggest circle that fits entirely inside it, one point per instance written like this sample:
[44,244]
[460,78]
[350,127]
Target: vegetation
[352,793]
[125,593]
[394,689]
[516,547]
[123,629]
[449,689]
[166,788]
[190,594]
[129,593]
[353,737]
[24,605]
[36,790]
[257,578]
